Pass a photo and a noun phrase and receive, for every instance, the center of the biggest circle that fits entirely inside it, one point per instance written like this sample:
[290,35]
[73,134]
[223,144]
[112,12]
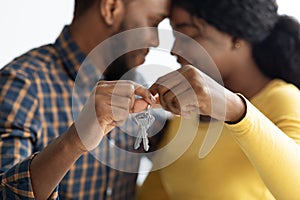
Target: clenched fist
[189,90]
[109,106]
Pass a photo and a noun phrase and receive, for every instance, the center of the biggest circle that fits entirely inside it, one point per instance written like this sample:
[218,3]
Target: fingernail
[153,99]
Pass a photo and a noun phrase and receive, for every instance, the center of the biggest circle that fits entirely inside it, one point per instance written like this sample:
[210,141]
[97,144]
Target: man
[41,147]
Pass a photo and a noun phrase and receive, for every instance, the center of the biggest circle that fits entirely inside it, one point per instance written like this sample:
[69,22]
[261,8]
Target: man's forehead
[160,7]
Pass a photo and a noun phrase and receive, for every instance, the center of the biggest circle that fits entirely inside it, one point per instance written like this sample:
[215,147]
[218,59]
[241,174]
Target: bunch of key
[144,120]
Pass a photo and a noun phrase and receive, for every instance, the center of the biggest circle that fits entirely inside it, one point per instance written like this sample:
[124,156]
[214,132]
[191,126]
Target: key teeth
[137,143]
[146,148]
[146,144]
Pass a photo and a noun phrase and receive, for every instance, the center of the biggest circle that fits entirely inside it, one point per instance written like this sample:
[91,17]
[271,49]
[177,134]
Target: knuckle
[169,98]
[127,101]
[193,81]
[100,82]
[131,87]
[159,80]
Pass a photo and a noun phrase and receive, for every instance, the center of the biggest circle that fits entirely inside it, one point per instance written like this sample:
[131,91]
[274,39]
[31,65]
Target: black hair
[81,6]
[275,39]
[278,56]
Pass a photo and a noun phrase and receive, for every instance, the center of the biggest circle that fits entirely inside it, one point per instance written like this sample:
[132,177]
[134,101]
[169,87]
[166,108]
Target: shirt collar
[69,51]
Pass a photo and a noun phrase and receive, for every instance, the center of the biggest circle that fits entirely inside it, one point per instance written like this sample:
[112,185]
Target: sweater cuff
[243,126]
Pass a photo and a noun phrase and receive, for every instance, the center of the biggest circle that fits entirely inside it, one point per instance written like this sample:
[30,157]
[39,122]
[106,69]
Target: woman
[257,54]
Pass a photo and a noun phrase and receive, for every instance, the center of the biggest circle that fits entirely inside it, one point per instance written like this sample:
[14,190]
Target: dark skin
[263,141]
[155,12]
[236,66]
[103,20]
[247,78]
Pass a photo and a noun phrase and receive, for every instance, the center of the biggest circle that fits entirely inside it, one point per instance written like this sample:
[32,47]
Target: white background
[31,23]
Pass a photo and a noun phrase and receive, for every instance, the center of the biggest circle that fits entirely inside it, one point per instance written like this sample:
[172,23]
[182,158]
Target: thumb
[153,89]
[139,105]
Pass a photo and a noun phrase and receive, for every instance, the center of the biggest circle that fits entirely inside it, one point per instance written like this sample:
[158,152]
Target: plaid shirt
[36,107]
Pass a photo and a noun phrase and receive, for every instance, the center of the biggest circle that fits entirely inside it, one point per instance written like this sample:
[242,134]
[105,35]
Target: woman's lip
[182,61]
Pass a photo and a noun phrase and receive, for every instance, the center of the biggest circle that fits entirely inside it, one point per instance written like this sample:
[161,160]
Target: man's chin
[140,61]
[137,60]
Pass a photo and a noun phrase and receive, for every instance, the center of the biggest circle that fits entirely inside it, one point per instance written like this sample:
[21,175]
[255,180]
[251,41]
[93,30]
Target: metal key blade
[144,121]
[138,139]
[145,141]
[140,119]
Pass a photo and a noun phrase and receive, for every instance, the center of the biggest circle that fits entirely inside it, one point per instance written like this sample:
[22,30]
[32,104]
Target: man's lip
[142,51]
[147,51]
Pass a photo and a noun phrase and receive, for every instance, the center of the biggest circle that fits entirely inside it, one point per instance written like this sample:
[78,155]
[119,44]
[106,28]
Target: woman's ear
[112,11]
[236,43]
[200,24]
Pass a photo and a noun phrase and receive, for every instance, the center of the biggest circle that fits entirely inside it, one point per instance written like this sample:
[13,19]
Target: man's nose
[178,52]
[154,40]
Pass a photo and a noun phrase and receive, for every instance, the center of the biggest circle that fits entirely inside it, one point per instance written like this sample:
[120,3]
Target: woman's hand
[189,90]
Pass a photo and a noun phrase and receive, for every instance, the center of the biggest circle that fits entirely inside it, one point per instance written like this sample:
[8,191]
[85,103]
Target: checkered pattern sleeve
[16,183]
[19,128]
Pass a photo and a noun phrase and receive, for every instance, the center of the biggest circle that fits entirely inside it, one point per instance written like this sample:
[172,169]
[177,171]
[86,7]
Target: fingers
[118,88]
[107,107]
[119,98]
[165,81]
[177,90]
[139,105]
[165,86]
[128,89]
[120,107]
[144,93]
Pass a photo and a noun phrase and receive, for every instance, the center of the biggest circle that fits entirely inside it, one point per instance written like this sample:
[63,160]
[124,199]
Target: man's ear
[111,11]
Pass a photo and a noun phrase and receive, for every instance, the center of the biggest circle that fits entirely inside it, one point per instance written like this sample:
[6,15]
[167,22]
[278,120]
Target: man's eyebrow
[182,25]
[163,15]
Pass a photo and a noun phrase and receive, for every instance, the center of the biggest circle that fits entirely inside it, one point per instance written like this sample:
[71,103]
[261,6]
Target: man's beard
[118,70]
[124,66]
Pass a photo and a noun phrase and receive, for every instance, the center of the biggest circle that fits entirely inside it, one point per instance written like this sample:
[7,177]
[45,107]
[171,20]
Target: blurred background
[32,23]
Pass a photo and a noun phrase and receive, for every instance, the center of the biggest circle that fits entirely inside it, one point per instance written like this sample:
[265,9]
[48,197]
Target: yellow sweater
[256,159]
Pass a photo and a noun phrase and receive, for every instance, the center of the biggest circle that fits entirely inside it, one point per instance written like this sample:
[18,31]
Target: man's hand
[108,107]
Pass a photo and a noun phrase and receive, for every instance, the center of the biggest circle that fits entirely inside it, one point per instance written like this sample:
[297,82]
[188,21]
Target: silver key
[144,121]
